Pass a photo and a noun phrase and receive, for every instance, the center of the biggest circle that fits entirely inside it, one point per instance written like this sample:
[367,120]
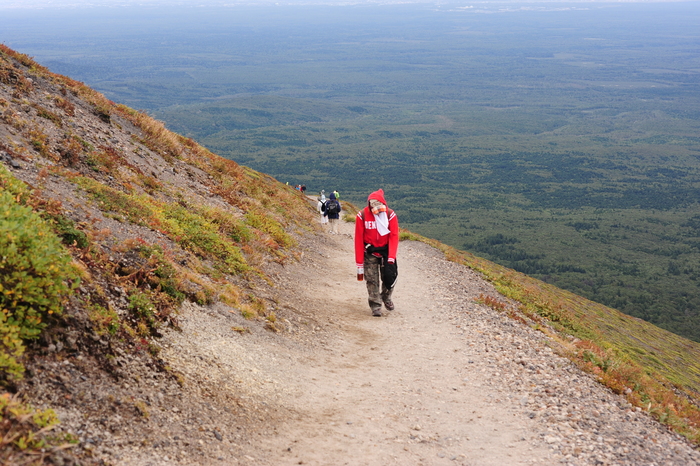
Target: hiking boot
[377,312]
[389,305]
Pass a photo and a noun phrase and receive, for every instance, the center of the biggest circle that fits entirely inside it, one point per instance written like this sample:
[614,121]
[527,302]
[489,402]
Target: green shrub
[13,186]
[25,433]
[229,225]
[66,230]
[261,220]
[142,306]
[35,271]
[194,232]
[135,208]
[105,320]
[165,277]
[189,227]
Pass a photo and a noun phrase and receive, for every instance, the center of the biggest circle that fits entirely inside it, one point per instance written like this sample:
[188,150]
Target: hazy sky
[87,3]
[26,4]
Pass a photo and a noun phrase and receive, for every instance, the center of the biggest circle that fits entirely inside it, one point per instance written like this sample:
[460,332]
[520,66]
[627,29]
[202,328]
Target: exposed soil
[440,380]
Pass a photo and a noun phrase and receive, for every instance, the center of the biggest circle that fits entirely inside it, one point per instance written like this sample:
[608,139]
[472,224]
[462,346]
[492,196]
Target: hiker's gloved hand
[390,273]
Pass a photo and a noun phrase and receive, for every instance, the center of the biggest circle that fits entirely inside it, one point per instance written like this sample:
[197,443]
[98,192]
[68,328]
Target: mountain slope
[200,302]
[150,219]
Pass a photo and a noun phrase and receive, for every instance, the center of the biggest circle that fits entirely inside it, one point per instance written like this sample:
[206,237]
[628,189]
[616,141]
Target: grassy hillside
[118,221]
[110,222]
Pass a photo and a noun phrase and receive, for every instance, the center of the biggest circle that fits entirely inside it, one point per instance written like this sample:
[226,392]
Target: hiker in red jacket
[376,244]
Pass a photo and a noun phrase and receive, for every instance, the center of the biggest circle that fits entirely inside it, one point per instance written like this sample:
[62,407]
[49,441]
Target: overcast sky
[26,4]
[44,4]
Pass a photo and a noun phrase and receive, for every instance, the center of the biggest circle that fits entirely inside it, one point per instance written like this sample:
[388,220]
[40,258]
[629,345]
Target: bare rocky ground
[440,380]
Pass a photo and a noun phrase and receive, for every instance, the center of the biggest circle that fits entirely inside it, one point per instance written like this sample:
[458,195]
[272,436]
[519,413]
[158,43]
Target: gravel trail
[442,380]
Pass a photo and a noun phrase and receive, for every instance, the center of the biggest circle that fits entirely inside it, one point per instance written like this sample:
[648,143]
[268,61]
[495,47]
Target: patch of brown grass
[65,105]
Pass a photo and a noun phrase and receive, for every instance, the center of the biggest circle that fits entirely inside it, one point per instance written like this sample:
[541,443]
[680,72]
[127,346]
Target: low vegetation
[213,248]
[59,271]
[26,435]
[36,274]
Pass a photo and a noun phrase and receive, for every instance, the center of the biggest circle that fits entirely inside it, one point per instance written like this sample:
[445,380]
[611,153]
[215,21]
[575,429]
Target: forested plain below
[558,139]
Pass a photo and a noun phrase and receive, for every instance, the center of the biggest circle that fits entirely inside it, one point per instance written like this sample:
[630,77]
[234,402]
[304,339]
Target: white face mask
[376,206]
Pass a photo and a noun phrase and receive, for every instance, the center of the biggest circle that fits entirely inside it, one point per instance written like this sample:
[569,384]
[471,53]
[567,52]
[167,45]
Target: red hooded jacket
[366,230]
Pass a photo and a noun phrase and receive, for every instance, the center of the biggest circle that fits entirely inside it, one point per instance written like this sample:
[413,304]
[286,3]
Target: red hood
[378,195]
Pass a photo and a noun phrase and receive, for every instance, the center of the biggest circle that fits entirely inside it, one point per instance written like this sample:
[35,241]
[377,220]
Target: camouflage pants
[372,266]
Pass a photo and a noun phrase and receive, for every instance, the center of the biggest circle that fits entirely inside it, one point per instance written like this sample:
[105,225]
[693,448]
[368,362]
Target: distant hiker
[322,196]
[321,206]
[376,244]
[303,189]
[337,194]
[332,211]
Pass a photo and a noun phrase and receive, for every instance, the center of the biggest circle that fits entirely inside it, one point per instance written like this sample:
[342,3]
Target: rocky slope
[152,221]
[215,323]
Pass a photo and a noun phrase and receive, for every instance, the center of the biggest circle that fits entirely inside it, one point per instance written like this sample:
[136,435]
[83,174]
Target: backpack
[332,207]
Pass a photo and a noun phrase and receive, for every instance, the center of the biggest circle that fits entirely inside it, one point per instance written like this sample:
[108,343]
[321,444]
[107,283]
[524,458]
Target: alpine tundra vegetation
[117,235]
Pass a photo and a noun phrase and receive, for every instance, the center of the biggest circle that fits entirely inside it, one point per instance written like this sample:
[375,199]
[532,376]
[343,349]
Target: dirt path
[397,389]
[441,380]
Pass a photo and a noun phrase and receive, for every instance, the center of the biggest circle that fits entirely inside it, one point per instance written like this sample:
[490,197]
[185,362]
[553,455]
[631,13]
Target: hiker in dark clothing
[332,211]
